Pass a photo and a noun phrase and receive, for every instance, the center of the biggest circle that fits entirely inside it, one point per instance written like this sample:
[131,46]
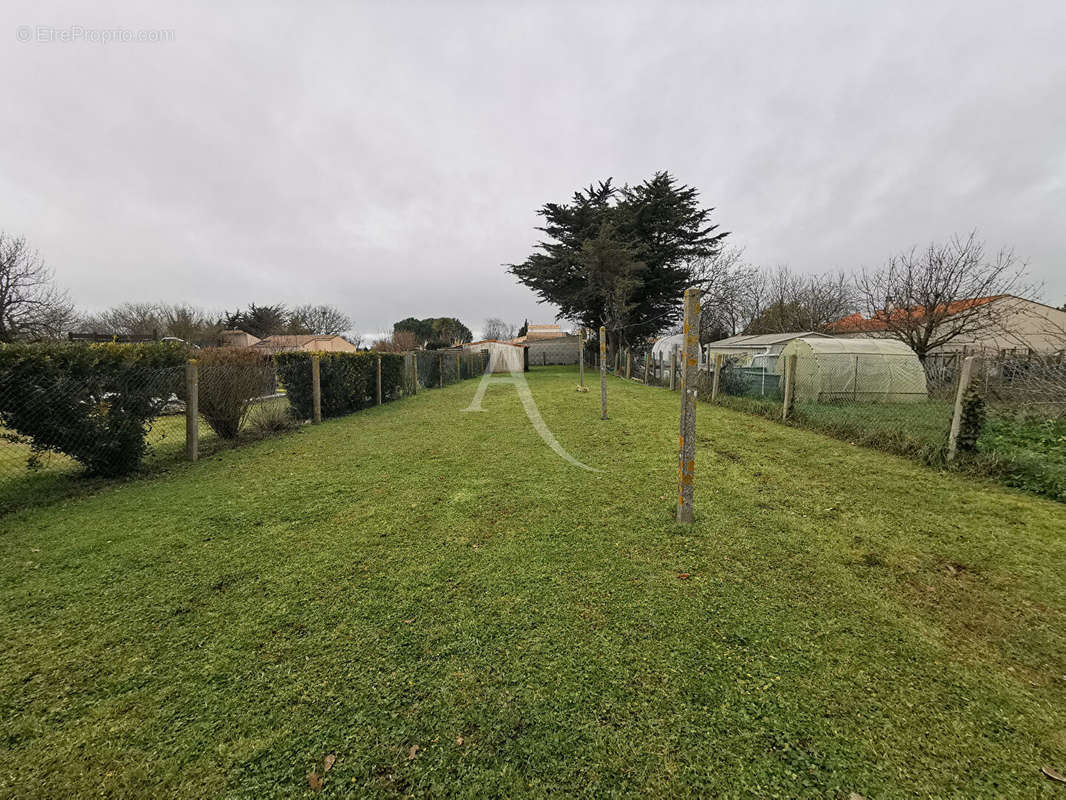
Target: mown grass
[439,601]
[1017,449]
[56,476]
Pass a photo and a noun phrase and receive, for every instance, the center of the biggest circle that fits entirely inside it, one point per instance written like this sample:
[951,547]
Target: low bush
[93,402]
[229,378]
[270,417]
[349,380]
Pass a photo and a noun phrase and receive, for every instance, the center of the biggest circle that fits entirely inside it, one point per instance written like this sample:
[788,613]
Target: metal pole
[603,372]
[581,357]
[316,389]
[686,458]
[192,410]
[379,380]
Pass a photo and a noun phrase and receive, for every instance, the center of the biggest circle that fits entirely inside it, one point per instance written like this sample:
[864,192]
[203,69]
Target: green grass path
[449,608]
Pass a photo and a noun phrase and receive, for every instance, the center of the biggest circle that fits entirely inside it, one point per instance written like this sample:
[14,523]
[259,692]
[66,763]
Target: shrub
[229,378]
[92,402]
[349,380]
[270,417]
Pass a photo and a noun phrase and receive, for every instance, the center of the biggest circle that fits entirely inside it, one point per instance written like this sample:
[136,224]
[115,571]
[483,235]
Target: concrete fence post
[718,359]
[603,372]
[686,457]
[790,388]
[192,409]
[965,378]
[379,380]
[316,388]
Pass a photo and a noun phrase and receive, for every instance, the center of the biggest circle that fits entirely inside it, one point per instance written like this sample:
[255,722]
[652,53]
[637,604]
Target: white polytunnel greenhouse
[861,369]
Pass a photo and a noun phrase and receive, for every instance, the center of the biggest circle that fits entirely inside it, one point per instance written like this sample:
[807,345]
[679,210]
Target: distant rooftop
[764,339]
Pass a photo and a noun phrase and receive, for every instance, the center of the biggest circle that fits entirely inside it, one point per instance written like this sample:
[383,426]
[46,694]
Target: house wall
[561,350]
[1011,324]
[334,344]
[502,357]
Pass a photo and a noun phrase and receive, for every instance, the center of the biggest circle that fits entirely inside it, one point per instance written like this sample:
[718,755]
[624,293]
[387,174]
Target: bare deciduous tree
[787,302]
[319,319]
[31,307]
[400,342]
[496,328]
[726,284]
[932,297]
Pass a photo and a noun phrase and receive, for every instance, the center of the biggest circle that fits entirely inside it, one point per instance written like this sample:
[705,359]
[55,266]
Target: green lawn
[443,604]
[57,476]
[1021,450]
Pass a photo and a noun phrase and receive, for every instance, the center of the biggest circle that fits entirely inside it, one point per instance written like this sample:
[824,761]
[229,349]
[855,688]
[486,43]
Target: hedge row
[349,380]
[92,402]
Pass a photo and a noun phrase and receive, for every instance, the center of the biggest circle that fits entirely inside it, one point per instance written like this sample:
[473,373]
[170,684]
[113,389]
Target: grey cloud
[388,158]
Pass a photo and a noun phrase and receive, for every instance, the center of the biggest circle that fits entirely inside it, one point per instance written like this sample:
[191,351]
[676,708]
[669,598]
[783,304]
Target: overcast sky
[389,157]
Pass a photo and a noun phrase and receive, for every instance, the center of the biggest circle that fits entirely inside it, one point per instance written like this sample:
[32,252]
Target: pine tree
[654,231]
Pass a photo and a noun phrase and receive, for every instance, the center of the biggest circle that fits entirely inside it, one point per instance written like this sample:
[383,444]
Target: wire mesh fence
[56,424]
[896,403]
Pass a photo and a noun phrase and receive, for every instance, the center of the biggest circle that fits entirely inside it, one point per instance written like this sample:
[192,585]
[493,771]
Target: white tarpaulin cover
[863,369]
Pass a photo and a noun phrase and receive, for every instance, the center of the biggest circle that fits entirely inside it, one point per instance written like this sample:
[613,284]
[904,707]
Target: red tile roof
[857,323]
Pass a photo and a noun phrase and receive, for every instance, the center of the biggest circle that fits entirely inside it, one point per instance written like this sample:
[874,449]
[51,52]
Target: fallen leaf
[856,796]
[413,752]
[328,763]
[684,576]
[314,781]
[1054,775]
[459,741]
[408,621]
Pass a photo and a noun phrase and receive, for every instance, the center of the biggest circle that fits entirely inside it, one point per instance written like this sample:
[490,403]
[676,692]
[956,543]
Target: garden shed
[503,356]
[865,370]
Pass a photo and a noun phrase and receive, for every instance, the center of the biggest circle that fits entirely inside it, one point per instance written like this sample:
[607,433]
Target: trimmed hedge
[349,380]
[93,402]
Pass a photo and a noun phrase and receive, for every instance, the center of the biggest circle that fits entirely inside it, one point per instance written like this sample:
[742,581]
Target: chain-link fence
[1022,436]
[106,422]
[896,403]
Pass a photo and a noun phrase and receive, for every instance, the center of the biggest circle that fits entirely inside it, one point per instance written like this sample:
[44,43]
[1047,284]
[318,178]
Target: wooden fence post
[965,378]
[790,387]
[617,360]
[603,372]
[316,389]
[192,409]
[379,380]
[414,369]
[628,364]
[686,457]
[673,367]
[647,361]
[718,359]
[581,357]
[458,366]
[440,368]
[659,372]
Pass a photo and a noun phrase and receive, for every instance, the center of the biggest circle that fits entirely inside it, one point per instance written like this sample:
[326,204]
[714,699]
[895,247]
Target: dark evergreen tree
[657,228]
